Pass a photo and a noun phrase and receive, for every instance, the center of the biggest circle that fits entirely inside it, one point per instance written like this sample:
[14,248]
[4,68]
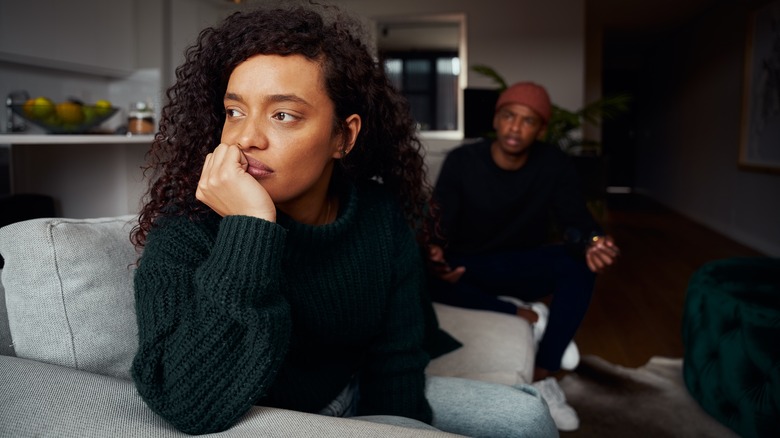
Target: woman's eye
[230,112]
[284,117]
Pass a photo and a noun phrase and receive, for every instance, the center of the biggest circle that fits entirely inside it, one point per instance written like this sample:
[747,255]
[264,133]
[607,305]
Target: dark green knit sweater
[240,311]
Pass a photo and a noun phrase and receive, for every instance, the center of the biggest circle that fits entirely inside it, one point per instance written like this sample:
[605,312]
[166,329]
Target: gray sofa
[68,335]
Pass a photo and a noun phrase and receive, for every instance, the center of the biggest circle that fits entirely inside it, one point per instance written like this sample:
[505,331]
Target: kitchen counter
[19,139]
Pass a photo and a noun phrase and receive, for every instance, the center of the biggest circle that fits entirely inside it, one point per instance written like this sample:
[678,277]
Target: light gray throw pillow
[69,292]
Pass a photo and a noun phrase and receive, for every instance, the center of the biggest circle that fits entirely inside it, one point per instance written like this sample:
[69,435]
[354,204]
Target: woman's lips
[257,169]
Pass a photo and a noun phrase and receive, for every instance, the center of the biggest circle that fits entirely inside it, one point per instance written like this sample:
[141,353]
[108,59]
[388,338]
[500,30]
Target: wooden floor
[637,308]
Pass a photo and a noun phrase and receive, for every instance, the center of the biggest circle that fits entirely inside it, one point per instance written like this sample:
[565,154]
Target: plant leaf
[492,74]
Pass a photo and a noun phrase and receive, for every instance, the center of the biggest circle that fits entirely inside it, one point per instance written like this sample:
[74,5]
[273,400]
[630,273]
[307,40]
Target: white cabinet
[88,36]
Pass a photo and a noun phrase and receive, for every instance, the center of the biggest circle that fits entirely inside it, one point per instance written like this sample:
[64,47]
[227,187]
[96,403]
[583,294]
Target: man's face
[517,126]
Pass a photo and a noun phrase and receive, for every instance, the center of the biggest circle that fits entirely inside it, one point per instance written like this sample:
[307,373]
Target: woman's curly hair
[387,147]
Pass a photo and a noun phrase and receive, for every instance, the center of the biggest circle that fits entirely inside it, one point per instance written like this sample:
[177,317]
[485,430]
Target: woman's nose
[252,135]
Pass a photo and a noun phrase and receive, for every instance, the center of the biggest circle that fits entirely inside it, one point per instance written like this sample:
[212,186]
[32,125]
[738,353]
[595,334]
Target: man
[496,199]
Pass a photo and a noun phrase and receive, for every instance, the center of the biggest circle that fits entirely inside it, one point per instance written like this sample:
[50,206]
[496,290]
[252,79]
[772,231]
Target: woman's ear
[353,124]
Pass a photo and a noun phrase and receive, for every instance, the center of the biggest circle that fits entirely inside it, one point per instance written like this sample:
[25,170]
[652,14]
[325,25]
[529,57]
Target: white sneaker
[562,413]
[571,356]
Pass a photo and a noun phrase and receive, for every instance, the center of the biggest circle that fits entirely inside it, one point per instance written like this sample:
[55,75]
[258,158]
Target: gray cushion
[69,294]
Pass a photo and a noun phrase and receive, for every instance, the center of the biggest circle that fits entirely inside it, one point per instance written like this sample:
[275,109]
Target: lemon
[70,113]
[102,107]
[39,108]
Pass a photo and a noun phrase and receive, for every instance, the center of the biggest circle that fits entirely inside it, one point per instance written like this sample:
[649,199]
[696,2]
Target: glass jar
[140,118]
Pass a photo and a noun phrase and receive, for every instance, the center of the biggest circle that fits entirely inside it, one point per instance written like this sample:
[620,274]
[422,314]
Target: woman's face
[279,114]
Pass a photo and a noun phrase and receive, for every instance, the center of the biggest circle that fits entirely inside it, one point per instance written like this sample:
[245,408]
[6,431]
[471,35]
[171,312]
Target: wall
[690,131]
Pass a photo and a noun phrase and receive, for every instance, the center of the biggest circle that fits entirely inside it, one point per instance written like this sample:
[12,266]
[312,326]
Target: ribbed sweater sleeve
[213,326]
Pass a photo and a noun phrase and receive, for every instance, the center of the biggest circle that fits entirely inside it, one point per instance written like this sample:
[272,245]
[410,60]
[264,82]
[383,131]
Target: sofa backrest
[69,292]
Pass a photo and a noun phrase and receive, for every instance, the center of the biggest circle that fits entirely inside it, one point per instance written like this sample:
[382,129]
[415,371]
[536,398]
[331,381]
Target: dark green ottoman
[731,333]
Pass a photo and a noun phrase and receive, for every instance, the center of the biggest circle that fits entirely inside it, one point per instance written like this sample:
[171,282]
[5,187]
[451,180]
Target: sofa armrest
[40,399]
[497,347]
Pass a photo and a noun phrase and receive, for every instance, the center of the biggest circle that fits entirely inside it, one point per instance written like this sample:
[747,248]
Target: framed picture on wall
[760,142]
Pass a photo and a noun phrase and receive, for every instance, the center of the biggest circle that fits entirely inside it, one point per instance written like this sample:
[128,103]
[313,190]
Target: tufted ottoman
[731,333]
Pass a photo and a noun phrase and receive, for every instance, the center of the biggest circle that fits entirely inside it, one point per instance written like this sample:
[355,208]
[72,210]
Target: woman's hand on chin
[227,188]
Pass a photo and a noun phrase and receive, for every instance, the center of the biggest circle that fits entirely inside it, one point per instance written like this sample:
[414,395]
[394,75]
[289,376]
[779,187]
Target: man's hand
[601,253]
[441,268]
[228,189]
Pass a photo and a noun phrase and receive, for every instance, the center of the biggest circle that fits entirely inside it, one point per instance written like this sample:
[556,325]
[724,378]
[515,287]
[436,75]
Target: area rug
[650,401]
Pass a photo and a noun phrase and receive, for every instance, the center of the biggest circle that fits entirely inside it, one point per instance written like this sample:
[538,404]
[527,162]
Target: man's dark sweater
[487,209]
[238,311]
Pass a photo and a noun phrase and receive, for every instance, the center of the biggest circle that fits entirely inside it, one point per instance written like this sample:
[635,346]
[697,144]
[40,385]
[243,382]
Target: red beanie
[532,95]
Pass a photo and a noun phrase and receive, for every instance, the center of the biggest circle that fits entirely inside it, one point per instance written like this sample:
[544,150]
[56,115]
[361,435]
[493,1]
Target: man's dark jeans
[529,275]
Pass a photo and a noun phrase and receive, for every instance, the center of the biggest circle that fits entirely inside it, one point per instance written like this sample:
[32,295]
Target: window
[429,80]
[423,57]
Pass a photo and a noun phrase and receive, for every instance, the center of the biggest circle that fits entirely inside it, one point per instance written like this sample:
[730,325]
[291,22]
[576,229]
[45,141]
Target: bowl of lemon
[69,117]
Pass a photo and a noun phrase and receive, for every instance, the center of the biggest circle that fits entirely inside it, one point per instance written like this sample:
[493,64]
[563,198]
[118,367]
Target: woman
[280,265]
